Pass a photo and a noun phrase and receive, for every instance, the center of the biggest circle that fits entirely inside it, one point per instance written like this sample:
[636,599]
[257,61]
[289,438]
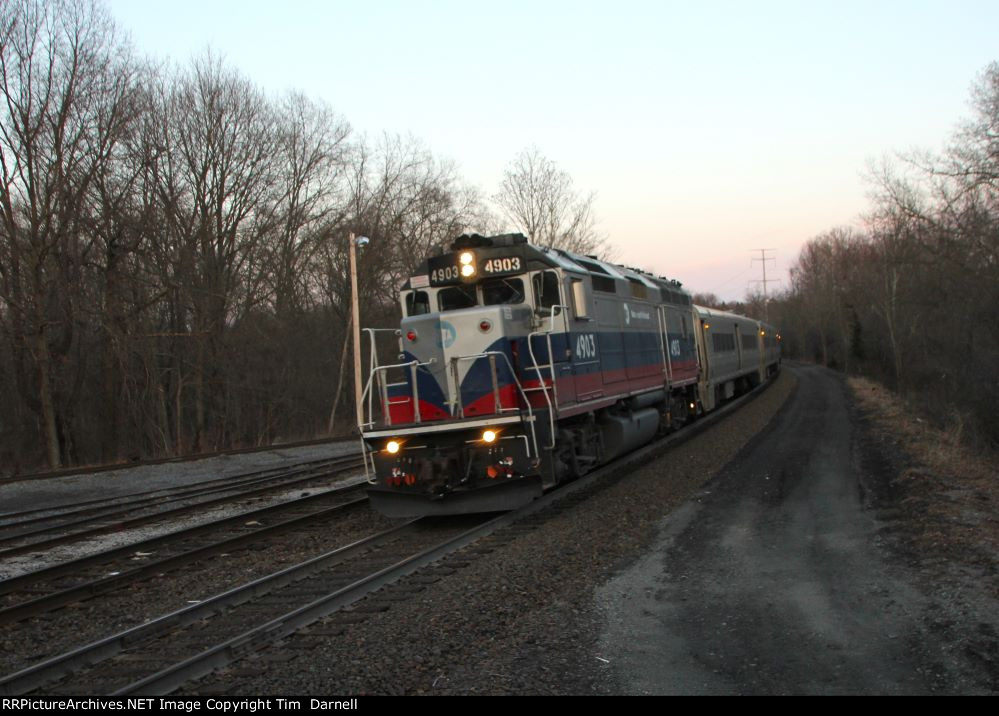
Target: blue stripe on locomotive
[430,390]
[616,352]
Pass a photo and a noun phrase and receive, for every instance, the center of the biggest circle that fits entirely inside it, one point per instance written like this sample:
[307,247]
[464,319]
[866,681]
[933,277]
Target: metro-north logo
[639,315]
[448,335]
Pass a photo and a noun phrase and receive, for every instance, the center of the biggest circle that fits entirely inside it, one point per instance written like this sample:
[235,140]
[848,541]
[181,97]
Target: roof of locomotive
[544,256]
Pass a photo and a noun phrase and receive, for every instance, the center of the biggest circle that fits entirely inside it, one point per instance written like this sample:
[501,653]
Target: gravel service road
[784,576]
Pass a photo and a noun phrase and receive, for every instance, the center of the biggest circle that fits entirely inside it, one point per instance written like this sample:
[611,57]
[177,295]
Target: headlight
[392,447]
[489,436]
[467,261]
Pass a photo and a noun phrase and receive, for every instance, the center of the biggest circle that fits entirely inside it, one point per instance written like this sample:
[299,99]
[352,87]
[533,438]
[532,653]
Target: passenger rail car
[521,366]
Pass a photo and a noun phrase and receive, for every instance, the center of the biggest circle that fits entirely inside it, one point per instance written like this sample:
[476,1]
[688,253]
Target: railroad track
[159,656]
[10,520]
[162,655]
[44,590]
[93,469]
[83,520]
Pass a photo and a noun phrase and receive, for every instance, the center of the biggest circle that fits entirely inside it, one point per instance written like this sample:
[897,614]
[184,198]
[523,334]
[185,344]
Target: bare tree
[912,300]
[66,81]
[539,199]
[216,174]
[708,300]
[310,196]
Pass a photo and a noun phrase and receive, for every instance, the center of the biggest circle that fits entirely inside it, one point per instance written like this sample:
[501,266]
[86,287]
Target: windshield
[495,292]
[455,298]
[502,291]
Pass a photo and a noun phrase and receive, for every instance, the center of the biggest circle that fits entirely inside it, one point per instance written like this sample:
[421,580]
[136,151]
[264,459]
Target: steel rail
[115,581]
[194,457]
[163,514]
[10,519]
[56,667]
[114,507]
[12,584]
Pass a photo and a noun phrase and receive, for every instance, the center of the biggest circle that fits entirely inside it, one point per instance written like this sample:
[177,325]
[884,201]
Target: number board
[496,265]
[444,270]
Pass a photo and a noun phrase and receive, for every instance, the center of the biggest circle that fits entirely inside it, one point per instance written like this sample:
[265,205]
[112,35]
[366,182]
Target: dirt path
[781,578]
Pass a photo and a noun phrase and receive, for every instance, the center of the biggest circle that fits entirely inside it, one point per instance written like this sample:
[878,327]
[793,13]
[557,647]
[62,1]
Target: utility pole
[354,242]
[763,260]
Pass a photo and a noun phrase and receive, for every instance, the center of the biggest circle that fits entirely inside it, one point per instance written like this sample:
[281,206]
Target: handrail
[492,354]
[377,373]
[664,336]
[551,370]
[379,370]
[373,354]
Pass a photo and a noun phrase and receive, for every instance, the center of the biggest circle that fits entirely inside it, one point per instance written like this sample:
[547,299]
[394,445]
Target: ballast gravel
[516,615]
[28,642]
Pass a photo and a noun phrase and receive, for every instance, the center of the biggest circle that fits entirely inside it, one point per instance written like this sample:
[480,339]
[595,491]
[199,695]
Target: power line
[763,260]
[727,282]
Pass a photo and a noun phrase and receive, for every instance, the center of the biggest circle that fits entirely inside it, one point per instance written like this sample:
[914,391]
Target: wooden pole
[356,320]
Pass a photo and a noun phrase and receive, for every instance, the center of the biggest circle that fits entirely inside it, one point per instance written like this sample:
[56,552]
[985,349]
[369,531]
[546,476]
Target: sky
[706,129]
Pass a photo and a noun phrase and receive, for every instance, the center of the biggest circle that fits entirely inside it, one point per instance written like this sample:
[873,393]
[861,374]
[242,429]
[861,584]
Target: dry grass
[949,492]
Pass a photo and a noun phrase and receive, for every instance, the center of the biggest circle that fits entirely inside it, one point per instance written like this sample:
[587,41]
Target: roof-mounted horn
[477,241]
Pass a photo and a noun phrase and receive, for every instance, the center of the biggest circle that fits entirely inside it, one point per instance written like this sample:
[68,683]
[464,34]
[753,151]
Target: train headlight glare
[392,447]
[467,270]
[489,436]
[466,258]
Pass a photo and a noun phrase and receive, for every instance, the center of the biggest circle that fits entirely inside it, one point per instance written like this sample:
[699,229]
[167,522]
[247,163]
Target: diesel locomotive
[522,366]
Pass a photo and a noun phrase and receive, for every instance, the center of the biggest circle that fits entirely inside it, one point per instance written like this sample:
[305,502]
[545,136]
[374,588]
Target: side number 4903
[586,346]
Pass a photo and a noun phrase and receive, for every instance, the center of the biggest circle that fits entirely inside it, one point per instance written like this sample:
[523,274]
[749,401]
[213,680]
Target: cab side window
[546,292]
[417,303]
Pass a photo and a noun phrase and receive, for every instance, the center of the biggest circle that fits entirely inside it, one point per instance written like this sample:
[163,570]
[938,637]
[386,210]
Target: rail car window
[723,342]
[638,289]
[502,291]
[546,291]
[605,284]
[417,303]
[454,298]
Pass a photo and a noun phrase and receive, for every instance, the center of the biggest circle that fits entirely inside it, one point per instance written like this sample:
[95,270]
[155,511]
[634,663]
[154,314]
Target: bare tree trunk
[199,397]
[46,401]
[162,419]
[179,411]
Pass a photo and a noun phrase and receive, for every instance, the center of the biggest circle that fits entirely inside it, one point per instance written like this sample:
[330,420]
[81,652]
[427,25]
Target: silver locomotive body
[520,367]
